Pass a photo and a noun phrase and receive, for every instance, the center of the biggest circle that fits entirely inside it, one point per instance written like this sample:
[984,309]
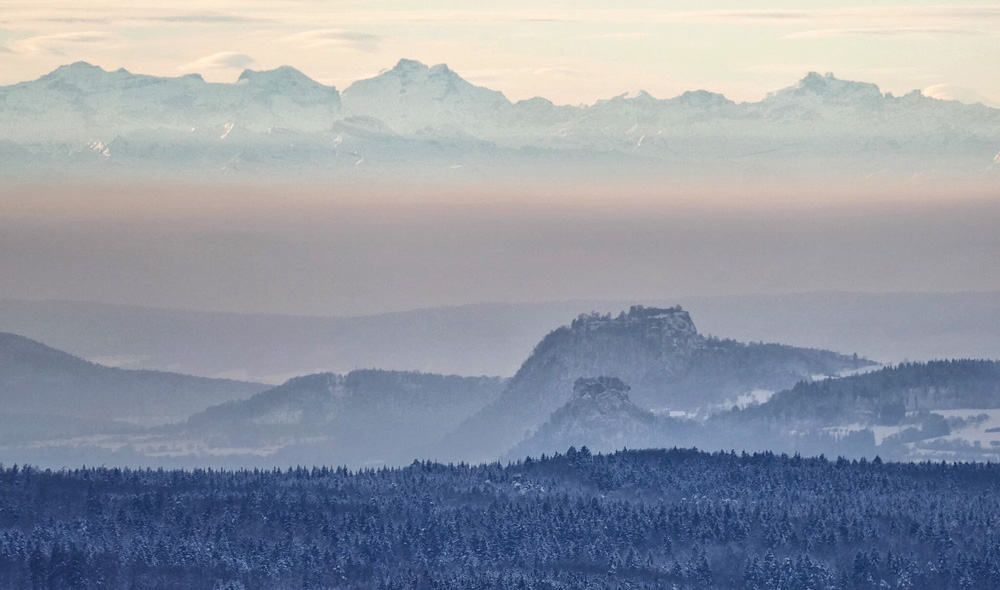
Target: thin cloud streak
[58,44]
[629,16]
[223,60]
[337,38]
[800,69]
[29,19]
[881,32]
[952,92]
[307,12]
[200,18]
[635,35]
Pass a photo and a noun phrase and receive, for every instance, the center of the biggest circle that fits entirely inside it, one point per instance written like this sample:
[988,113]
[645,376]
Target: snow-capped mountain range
[85,119]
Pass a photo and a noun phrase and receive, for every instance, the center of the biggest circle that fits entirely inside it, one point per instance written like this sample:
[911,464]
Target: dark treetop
[634,519]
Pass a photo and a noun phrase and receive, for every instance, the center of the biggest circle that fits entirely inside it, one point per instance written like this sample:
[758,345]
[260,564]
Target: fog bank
[342,250]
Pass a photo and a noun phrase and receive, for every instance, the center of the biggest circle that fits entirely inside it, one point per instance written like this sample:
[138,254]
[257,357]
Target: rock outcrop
[657,351]
[600,416]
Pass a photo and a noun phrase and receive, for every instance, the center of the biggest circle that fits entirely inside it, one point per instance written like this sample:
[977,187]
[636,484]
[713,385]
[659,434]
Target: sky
[570,52]
[325,252]
[271,249]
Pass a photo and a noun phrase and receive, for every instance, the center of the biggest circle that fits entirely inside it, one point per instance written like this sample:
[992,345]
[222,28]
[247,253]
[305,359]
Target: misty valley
[644,378]
[817,470]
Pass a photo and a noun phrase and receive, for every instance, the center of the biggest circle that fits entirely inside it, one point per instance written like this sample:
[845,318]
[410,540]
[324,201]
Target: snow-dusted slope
[833,112]
[81,117]
[84,103]
[821,116]
[412,98]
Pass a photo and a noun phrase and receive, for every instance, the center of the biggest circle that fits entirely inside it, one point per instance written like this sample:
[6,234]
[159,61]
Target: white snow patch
[881,432]
[754,396]
[120,361]
[976,430]
[860,371]
[280,416]
[845,373]
[742,401]
[673,413]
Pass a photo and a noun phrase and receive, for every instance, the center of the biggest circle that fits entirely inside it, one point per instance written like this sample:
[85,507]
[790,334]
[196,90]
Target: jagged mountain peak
[413,68]
[442,69]
[632,98]
[438,80]
[829,88]
[415,98]
[702,98]
[536,102]
[913,97]
[81,75]
[640,95]
[827,83]
[282,77]
[543,111]
[411,71]
[408,110]
[85,79]
[409,65]
[79,68]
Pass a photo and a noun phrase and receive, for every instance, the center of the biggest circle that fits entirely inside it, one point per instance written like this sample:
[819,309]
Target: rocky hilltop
[600,416]
[645,347]
[657,351]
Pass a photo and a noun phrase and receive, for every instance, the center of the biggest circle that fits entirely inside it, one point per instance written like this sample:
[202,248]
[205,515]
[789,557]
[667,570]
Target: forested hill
[42,381]
[657,352]
[635,519]
[366,417]
[884,396]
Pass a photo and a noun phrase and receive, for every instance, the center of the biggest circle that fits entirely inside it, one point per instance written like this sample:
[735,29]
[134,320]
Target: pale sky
[571,52]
